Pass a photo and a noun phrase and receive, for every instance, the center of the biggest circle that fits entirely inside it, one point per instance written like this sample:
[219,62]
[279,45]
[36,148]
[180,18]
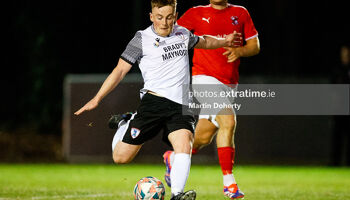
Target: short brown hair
[161,3]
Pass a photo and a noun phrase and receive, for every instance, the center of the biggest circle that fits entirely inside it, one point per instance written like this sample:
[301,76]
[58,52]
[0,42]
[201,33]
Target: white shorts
[215,85]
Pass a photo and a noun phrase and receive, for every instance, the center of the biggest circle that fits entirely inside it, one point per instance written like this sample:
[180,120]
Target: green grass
[60,181]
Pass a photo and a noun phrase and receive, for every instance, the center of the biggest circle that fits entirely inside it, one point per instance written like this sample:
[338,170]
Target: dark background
[46,40]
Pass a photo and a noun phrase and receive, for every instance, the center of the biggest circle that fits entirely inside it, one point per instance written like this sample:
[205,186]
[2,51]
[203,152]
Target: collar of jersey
[217,10]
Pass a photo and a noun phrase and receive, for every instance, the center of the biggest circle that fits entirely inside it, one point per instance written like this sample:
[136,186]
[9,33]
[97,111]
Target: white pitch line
[61,197]
[72,196]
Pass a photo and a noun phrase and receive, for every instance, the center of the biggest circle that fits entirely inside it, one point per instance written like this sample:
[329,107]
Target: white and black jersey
[163,61]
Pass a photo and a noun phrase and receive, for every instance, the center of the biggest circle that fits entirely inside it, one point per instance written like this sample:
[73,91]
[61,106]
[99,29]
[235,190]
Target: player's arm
[211,42]
[130,55]
[251,48]
[108,85]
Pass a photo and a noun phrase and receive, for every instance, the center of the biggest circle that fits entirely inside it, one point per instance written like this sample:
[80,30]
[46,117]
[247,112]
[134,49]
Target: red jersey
[205,20]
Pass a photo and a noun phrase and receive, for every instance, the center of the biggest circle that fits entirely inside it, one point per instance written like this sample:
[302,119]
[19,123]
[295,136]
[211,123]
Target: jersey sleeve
[249,28]
[133,51]
[186,20]
[193,40]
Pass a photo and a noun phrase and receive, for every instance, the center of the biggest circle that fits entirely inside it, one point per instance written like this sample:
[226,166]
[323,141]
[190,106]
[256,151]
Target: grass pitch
[60,181]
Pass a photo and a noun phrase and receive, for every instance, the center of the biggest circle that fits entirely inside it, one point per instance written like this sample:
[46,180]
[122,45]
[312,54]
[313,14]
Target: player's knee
[203,140]
[226,122]
[182,142]
[120,159]
[229,125]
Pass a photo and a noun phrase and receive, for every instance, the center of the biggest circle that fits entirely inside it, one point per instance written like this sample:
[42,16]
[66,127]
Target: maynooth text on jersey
[174,50]
[174,54]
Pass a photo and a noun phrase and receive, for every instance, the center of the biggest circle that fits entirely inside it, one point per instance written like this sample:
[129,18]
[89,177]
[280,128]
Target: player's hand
[232,54]
[234,39]
[92,104]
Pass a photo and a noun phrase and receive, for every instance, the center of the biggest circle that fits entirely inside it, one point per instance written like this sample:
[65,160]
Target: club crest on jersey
[135,132]
[158,42]
[234,20]
[180,35]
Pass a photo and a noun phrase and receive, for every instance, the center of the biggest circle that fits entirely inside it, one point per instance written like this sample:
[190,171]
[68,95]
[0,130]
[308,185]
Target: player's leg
[204,134]
[225,142]
[206,127]
[226,153]
[124,153]
[181,141]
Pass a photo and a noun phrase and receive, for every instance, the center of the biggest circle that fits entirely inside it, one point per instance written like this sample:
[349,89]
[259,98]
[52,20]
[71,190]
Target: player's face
[218,2]
[163,19]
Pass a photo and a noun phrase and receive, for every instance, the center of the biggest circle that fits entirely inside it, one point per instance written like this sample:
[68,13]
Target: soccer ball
[149,188]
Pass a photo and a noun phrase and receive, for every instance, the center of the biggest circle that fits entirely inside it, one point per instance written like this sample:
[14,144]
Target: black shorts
[156,114]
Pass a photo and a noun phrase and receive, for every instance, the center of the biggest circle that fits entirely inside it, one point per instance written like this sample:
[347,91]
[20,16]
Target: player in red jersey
[219,66]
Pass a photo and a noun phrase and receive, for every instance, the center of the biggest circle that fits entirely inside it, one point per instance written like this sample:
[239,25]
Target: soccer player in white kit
[161,51]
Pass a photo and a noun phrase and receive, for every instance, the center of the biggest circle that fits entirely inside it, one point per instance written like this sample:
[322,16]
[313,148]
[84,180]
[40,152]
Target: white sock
[122,128]
[172,157]
[118,136]
[179,172]
[229,179]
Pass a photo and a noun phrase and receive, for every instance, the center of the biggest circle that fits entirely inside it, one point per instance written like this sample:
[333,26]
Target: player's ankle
[229,179]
